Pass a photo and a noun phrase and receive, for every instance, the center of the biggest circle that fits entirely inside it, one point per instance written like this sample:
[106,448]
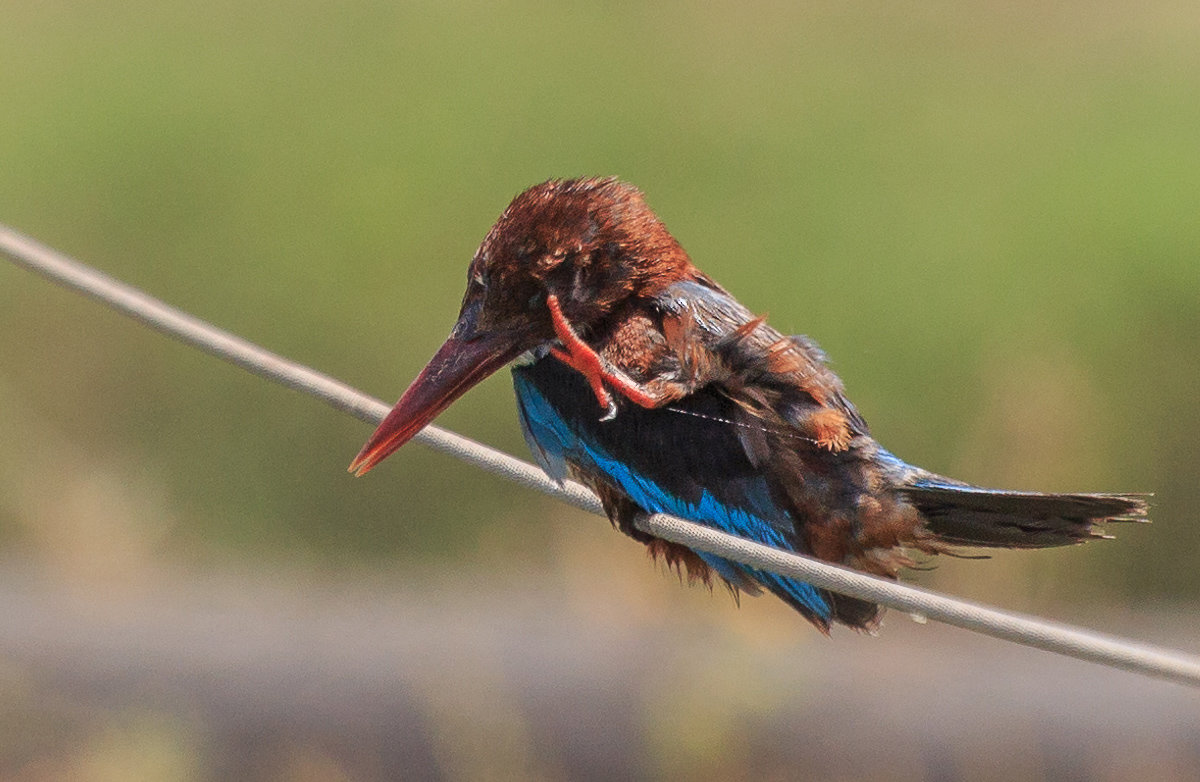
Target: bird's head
[593,243]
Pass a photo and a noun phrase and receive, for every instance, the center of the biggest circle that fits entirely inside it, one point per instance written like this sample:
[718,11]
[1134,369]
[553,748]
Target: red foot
[578,355]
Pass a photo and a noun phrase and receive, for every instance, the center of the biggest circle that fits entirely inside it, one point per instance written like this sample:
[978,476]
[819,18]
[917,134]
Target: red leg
[596,381]
[578,355]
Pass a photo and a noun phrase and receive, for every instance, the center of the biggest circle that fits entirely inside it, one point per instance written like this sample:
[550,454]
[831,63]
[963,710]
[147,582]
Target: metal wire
[1029,631]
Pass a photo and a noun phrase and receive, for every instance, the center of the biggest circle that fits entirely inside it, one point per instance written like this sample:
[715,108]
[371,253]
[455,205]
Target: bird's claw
[581,357]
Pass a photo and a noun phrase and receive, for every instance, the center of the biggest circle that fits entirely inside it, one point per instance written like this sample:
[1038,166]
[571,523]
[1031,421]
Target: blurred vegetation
[986,213]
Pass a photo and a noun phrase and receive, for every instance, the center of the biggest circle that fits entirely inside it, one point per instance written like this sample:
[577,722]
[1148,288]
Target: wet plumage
[645,380]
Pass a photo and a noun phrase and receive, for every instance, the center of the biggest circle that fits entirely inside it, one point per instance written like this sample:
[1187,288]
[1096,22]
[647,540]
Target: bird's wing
[782,380]
[683,459]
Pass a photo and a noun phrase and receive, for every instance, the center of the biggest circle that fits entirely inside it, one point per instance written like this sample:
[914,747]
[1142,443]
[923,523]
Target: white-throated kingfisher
[639,376]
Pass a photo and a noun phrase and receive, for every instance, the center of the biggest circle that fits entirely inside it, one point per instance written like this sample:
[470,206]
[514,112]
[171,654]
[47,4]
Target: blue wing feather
[656,470]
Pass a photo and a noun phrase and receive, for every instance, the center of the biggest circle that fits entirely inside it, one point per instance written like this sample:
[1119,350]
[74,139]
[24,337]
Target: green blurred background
[988,214]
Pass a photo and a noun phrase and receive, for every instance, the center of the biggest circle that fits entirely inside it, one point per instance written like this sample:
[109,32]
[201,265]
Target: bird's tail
[961,514]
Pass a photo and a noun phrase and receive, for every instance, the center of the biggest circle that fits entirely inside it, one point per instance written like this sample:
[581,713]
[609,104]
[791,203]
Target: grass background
[988,214]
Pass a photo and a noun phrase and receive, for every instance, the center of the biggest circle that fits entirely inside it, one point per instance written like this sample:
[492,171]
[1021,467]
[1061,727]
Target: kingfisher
[639,376]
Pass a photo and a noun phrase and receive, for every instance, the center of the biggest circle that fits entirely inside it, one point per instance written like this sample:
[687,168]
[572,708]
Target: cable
[1029,631]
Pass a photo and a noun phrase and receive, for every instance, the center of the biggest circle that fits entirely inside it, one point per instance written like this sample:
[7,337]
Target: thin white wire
[1029,631]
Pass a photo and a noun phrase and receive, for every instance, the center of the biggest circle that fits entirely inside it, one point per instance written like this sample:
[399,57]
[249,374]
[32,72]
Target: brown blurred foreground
[243,678]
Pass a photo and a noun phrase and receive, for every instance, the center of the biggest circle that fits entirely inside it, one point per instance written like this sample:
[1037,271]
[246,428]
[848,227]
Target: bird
[638,375]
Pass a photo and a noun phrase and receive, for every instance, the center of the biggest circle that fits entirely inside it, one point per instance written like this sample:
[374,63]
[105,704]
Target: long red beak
[457,366]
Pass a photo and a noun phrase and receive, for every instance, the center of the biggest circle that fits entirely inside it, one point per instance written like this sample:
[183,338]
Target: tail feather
[968,515]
